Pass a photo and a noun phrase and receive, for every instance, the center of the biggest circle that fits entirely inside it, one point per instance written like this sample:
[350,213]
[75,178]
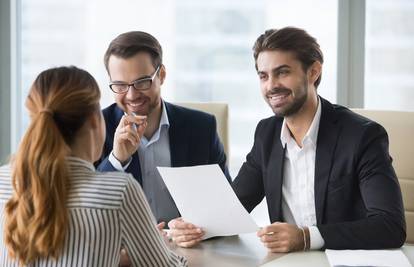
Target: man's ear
[163,74]
[314,72]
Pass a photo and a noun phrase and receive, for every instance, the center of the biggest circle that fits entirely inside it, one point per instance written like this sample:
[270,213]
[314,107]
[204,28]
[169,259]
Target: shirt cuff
[117,165]
[316,239]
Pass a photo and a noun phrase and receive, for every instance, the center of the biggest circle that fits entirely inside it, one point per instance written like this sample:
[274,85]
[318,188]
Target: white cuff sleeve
[117,165]
[316,239]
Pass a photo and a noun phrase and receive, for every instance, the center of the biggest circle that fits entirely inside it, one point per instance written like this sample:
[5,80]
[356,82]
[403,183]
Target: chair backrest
[221,112]
[400,129]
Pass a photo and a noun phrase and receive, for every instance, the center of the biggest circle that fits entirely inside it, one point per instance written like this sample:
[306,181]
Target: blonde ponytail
[36,216]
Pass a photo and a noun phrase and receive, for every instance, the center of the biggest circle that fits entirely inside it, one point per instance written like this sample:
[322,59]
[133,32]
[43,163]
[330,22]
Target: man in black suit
[144,131]
[325,171]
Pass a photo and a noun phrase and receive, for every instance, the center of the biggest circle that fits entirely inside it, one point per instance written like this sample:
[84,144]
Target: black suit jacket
[193,140]
[357,195]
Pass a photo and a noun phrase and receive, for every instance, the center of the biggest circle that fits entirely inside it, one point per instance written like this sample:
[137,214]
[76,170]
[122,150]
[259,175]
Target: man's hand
[128,136]
[161,227]
[282,237]
[185,234]
[124,259]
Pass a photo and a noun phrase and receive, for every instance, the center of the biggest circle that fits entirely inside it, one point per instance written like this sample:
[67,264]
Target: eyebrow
[274,70]
[141,78]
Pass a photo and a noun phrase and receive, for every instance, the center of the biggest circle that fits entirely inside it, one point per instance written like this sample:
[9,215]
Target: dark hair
[128,44]
[298,41]
[36,218]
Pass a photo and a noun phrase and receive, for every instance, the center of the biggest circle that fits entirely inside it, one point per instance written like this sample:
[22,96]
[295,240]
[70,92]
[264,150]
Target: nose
[272,82]
[132,93]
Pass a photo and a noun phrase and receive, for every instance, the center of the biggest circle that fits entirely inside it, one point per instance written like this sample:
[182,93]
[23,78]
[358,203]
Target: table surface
[246,250]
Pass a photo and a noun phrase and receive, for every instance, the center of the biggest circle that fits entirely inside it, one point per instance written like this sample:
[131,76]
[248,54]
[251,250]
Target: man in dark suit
[325,171]
[143,131]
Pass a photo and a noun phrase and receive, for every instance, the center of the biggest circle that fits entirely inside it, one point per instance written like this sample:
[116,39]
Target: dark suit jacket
[357,195]
[193,140]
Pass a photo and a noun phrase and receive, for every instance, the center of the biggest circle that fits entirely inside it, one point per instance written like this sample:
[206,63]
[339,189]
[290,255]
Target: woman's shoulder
[102,190]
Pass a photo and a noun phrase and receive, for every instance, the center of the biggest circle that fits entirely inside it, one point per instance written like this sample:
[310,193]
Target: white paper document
[205,198]
[377,258]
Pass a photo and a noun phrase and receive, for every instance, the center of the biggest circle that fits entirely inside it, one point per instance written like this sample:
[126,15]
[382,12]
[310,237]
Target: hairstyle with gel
[36,216]
[290,39]
[127,45]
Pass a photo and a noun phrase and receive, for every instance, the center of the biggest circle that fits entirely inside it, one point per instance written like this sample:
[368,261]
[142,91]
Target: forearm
[377,232]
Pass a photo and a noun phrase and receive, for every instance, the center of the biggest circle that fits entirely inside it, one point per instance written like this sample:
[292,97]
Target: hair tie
[46,110]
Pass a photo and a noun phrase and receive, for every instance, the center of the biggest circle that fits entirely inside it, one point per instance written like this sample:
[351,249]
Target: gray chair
[221,112]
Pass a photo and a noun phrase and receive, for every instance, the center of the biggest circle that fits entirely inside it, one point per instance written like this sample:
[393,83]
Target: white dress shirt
[298,191]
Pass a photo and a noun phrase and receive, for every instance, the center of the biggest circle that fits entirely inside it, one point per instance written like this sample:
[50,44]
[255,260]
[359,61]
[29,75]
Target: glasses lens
[143,84]
[119,88]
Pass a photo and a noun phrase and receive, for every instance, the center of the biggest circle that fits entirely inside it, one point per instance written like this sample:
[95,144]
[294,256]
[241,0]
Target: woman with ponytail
[55,210]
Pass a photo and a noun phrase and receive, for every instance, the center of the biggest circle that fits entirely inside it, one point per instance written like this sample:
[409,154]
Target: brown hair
[128,44]
[290,39]
[36,216]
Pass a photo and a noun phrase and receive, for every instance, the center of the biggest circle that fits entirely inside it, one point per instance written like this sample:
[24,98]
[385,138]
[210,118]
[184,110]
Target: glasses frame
[137,81]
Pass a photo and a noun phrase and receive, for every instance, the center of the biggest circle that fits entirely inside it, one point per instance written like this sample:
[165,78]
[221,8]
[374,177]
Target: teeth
[136,104]
[278,97]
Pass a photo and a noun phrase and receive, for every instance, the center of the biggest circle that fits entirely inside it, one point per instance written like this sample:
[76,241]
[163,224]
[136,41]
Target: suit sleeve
[384,224]
[248,185]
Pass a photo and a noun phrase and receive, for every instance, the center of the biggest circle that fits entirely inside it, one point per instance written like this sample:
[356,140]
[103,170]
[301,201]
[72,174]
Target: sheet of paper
[389,258]
[205,198]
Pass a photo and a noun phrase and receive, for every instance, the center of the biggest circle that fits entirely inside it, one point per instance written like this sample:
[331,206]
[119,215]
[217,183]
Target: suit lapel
[178,134]
[327,139]
[275,176]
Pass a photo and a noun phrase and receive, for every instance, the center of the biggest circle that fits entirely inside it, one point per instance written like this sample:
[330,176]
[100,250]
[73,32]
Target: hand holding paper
[205,198]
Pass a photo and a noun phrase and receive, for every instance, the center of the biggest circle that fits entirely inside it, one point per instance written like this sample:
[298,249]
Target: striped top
[106,211]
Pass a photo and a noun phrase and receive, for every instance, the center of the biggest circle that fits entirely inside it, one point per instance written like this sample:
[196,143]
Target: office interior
[368,47]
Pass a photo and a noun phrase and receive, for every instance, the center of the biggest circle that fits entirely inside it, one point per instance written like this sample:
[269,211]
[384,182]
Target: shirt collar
[164,117]
[312,133]
[76,163]
[164,123]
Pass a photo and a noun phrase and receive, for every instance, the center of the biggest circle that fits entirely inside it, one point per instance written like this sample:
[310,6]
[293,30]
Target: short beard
[297,103]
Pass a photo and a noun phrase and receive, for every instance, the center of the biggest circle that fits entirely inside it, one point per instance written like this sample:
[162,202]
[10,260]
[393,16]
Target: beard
[292,108]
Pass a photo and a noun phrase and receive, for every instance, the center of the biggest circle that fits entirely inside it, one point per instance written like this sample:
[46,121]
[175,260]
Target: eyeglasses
[142,84]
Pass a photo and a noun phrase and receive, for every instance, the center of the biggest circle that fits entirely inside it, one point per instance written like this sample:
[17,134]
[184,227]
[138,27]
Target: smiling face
[129,70]
[283,82]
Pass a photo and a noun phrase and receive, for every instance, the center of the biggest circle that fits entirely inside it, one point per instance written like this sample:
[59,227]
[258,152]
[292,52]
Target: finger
[131,133]
[274,244]
[267,230]
[180,224]
[186,238]
[189,244]
[171,224]
[137,119]
[141,128]
[194,232]
[124,259]
[161,225]
[280,249]
[270,237]
[122,123]
[124,137]
[270,229]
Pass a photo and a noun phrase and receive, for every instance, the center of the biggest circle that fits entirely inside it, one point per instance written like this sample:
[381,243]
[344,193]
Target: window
[207,48]
[389,57]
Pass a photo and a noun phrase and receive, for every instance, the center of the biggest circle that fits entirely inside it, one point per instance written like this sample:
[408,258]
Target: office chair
[400,129]
[221,112]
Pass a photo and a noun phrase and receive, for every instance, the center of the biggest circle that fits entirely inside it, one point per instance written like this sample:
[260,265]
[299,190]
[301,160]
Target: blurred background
[368,47]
